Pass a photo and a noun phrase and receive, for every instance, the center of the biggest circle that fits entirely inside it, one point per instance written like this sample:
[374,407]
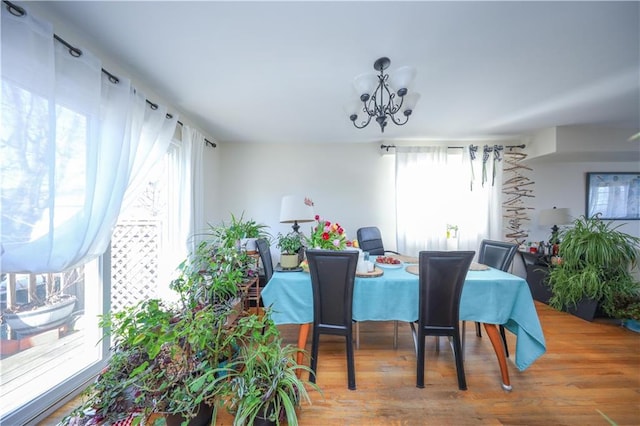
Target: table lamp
[554,217]
[293,209]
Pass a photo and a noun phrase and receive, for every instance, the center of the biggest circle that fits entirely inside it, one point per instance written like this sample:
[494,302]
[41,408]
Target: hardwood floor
[588,368]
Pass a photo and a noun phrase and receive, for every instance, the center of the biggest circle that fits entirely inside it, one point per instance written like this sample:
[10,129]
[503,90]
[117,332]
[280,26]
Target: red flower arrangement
[328,236]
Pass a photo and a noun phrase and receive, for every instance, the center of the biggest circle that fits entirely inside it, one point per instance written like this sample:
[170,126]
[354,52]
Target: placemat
[478,267]
[404,259]
[375,273]
[412,269]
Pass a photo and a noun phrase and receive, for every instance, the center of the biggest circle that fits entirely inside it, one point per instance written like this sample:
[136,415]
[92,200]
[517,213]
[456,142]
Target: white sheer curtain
[185,197]
[197,224]
[153,130]
[433,190]
[421,194]
[71,143]
[479,211]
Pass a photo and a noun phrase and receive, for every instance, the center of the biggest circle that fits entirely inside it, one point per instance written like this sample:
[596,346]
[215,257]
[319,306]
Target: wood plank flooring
[588,369]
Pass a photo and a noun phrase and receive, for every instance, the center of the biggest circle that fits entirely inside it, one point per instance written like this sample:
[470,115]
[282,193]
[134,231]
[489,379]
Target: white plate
[390,265]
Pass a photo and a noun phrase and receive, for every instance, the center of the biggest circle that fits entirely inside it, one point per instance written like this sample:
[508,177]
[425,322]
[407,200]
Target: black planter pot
[537,284]
[537,269]
[259,421]
[202,419]
[262,419]
[585,309]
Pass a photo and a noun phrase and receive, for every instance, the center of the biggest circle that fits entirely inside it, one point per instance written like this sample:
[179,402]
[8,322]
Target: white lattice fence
[134,262]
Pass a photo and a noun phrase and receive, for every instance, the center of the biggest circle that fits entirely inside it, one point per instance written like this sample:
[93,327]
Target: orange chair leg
[498,347]
[303,333]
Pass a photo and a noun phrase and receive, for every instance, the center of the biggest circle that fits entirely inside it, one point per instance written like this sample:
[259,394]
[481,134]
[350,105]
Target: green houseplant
[263,384]
[290,245]
[240,233]
[596,263]
[157,352]
[166,358]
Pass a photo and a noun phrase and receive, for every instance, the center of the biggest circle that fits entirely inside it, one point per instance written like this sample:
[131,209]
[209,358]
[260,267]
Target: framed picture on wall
[615,195]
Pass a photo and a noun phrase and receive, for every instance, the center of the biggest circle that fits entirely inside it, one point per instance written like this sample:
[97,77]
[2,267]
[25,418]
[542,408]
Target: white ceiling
[282,71]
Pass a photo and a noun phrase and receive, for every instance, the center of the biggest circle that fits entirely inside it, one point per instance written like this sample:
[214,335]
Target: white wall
[564,185]
[354,185]
[212,183]
[349,183]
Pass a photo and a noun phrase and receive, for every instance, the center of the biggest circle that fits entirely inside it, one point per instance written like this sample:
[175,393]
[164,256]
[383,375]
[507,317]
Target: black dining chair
[498,255]
[265,257]
[264,251]
[441,277]
[332,279]
[370,240]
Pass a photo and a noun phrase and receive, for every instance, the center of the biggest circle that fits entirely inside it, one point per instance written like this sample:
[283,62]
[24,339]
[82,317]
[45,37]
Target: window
[613,195]
[433,194]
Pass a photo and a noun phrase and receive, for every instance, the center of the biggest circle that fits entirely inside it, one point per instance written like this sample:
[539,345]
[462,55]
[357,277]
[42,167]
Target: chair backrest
[265,257]
[441,275]
[333,275]
[497,254]
[370,240]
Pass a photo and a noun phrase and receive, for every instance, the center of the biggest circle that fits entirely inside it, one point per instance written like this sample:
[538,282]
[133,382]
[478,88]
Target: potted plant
[597,260]
[165,362]
[253,231]
[241,233]
[263,386]
[627,308]
[157,351]
[164,356]
[47,305]
[290,245]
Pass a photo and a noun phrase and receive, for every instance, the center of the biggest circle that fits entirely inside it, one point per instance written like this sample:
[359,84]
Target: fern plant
[597,263]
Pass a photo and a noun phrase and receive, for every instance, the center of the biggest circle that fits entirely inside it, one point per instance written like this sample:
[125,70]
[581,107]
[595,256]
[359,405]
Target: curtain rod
[155,106]
[16,10]
[388,147]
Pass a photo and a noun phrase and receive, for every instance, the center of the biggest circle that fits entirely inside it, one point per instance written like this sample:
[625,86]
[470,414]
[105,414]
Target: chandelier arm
[398,122]
[396,107]
[364,123]
[367,106]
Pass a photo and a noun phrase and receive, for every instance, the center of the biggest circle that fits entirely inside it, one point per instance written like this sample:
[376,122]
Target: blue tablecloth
[489,296]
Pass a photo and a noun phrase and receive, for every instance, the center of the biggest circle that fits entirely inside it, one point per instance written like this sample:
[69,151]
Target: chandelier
[383,96]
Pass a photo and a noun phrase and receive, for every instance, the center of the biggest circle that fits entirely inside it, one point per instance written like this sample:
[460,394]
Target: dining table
[489,296]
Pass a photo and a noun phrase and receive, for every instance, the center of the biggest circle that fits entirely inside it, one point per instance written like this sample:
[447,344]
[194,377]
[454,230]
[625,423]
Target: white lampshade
[410,100]
[293,209]
[402,77]
[554,216]
[365,83]
[354,107]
